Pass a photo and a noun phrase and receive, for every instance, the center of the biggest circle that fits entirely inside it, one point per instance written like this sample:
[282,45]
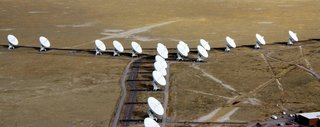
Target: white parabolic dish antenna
[13,41]
[161,60]
[100,46]
[160,68]
[155,106]
[158,77]
[203,52]
[44,43]
[181,42]
[230,43]
[260,39]
[148,122]
[118,46]
[205,44]
[293,35]
[136,47]
[162,50]
[183,49]
[185,45]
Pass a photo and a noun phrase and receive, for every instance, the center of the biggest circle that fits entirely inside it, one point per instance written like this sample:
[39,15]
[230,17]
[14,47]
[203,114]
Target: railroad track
[126,108]
[138,71]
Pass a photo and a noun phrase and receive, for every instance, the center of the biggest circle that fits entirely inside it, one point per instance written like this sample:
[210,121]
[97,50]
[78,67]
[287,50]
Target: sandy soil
[258,85]
[57,90]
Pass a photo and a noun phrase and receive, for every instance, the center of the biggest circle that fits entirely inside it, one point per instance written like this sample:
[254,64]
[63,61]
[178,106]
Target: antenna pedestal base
[10,47]
[42,49]
[199,58]
[179,57]
[155,87]
[290,42]
[227,49]
[151,116]
[115,53]
[257,46]
[134,54]
[98,52]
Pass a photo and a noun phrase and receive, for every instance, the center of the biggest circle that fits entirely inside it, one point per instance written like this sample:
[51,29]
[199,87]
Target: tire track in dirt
[128,33]
[214,78]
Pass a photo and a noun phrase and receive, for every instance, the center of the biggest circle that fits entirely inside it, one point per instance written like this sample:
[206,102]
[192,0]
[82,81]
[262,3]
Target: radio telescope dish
[118,48]
[100,47]
[160,67]
[183,51]
[136,49]
[202,53]
[205,44]
[12,41]
[161,60]
[148,122]
[260,41]
[155,108]
[292,37]
[158,79]
[162,50]
[44,43]
[230,44]
[185,44]
[182,42]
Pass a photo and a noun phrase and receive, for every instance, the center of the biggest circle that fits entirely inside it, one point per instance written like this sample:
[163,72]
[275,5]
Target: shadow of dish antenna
[230,44]
[136,49]
[100,47]
[292,37]
[44,44]
[259,41]
[155,108]
[118,48]
[12,41]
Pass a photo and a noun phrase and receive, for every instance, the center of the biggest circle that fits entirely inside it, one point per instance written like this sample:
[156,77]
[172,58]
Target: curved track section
[136,86]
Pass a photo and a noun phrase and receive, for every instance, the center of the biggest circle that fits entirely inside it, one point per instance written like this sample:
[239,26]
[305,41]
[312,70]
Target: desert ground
[69,86]
[246,85]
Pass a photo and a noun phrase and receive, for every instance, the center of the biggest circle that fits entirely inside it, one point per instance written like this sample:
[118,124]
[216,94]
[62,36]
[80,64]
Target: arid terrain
[57,89]
[246,84]
[69,86]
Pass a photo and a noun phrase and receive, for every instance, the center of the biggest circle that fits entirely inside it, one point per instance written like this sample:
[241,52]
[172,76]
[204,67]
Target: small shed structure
[309,119]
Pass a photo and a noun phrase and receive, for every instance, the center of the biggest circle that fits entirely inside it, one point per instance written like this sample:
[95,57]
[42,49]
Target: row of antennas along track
[182,48]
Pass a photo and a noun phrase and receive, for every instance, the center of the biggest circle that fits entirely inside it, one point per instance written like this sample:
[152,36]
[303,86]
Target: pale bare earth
[71,92]
[262,86]
[57,90]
